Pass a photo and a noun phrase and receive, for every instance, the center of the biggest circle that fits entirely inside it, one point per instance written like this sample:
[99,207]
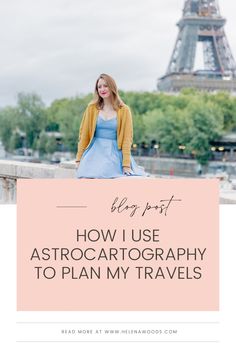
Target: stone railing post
[8,190]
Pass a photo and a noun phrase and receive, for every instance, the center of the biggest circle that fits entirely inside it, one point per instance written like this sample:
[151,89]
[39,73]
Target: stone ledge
[11,170]
[228,197]
[16,169]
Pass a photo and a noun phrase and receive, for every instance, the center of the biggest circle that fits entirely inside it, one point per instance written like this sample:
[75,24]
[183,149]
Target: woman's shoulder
[92,107]
[125,108]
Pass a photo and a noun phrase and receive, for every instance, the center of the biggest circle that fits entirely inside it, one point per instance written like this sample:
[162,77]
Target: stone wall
[184,168]
[10,171]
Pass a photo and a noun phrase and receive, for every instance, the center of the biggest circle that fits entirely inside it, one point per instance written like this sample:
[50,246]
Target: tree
[168,128]
[51,145]
[42,143]
[152,123]
[227,105]
[206,125]
[192,119]
[31,117]
[139,128]
[53,118]
[69,117]
[8,122]
[16,141]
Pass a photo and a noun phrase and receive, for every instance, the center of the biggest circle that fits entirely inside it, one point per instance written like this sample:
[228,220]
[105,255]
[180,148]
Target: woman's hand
[127,171]
[77,164]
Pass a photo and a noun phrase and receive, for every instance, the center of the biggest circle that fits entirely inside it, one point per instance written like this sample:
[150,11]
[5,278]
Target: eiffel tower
[201,23]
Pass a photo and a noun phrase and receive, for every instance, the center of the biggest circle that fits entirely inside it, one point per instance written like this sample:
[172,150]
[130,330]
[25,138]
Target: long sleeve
[83,135]
[127,138]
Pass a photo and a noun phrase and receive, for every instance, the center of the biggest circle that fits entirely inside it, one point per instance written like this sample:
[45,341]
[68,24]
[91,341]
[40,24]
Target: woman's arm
[127,138]
[83,135]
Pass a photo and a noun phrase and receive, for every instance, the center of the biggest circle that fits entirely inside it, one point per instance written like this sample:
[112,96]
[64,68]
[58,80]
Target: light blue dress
[103,159]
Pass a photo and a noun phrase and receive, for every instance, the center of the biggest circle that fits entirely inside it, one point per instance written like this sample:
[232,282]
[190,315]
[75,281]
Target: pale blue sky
[57,48]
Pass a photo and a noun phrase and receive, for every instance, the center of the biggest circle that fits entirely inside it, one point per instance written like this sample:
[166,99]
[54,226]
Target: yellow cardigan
[124,131]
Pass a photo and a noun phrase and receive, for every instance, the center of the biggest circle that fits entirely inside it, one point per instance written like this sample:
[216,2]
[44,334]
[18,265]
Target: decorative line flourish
[71,206]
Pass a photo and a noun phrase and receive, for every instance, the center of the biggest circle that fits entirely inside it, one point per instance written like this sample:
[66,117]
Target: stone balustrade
[11,170]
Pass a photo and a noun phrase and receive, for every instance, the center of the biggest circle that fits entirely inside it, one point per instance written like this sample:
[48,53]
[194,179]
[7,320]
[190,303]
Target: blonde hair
[116,101]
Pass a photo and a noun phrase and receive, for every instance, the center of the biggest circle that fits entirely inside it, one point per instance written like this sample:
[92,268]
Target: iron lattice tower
[201,22]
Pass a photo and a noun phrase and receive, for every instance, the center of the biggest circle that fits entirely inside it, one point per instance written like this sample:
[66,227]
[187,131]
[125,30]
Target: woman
[106,132]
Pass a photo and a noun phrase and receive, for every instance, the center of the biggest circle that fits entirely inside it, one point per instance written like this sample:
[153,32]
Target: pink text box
[124,244]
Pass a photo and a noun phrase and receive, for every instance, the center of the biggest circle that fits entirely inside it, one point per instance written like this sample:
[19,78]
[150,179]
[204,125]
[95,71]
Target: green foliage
[16,141]
[139,127]
[206,125]
[227,105]
[46,144]
[8,123]
[42,144]
[191,120]
[31,116]
[69,117]
[51,145]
